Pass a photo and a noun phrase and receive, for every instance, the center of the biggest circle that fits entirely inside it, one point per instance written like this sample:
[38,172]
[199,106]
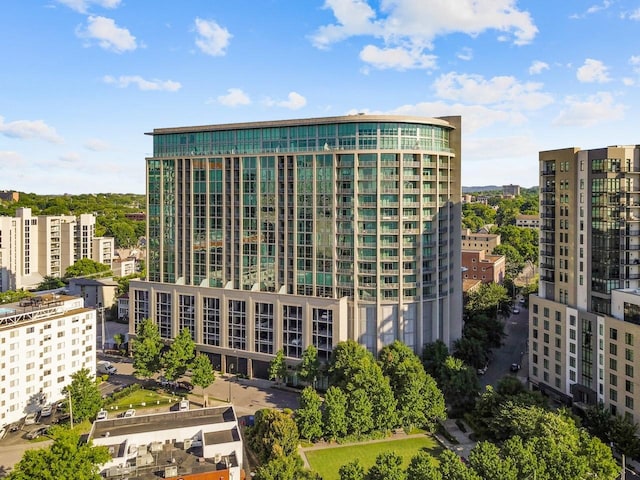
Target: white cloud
[108,35]
[212,38]
[504,91]
[8,157]
[628,82]
[82,6]
[414,24]
[465,54]
[474,117]
[398,58]
[593,110]
[96,145]
[294,101]
[145,85]
[538,67]
[593,71]
[29,129]
[632,15]
[70,157]
[234,97]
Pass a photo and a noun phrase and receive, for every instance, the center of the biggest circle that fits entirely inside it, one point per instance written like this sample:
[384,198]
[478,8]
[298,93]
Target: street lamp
[230,379]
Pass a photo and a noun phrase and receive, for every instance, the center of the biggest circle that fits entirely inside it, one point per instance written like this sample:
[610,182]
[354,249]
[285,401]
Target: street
[513,350]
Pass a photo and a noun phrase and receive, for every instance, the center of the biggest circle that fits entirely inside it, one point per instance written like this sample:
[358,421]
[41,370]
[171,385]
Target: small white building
[182,444]
[43,341]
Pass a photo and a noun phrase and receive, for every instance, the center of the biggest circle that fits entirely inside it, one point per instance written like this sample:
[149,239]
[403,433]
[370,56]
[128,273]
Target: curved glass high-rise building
[318,229]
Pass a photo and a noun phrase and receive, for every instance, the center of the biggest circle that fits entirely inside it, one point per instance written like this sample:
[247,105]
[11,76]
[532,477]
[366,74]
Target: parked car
[15,426]
[62,418]
[183,406]
[46,411]
[36,432]
[129,413]
[483,370]
[30,419]
[515,367]
[516,310]
[102,415]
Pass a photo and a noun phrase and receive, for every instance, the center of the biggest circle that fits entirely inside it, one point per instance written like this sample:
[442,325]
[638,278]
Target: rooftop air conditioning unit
[171,471]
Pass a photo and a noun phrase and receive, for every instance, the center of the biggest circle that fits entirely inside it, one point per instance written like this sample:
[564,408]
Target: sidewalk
[464,445]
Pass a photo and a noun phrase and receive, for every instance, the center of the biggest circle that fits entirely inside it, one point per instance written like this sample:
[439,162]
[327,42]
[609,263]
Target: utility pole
[100,312]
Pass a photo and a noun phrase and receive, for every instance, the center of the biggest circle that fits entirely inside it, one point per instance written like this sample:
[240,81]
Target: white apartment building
[43,341]
[32,247]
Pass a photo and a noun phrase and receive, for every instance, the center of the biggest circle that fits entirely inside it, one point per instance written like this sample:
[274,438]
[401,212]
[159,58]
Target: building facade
[43,341]
[479,241]
[479,265]
[303,214]
[33,247]
[581,326]
[528,221]
[510,190]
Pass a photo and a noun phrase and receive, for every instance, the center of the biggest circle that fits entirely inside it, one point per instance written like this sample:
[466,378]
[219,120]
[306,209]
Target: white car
[183,406]
[102,415]
[30,419]
[129,413]
[46,411]
[516,310]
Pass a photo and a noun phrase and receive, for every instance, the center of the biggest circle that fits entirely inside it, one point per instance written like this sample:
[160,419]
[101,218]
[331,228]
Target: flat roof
[441,121]
[161,421]
[38,308]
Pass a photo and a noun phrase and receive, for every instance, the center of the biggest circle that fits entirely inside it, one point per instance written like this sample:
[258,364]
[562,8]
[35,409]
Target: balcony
[548,171]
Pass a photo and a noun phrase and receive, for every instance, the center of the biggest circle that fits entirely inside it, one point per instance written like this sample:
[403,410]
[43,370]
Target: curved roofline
[441,121]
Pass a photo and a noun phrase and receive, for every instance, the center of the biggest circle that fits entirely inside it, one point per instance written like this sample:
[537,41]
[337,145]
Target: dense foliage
[85,395]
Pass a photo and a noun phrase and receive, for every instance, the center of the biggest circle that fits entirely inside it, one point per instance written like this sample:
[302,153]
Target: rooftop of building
[38,308]
[94,282]
[469,284]
[527,217]
[161,421]
[441,121]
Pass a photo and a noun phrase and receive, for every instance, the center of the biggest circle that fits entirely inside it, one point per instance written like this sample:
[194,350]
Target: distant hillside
[486,188]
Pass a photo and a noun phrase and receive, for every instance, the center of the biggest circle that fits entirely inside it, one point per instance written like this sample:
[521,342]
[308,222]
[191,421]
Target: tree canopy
[177,359]
[86,399]
[67,457]
[146,349]
[85,267]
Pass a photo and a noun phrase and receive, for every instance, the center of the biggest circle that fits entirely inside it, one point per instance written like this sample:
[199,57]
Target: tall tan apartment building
[35,246]
[585,320]
[479,241]
[283,234]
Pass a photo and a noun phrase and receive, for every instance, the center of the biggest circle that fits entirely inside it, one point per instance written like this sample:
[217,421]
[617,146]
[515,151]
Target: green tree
[486,461]
[278,367]
[351,471]
[283,468]
[423,467]
[420,402]
[49,283]
[146,349]
[460,386]
[335,413]
[309,415]
[85,267]
[86,400]
[433,357]
[118,339]
[11,296]
[388,466]
[67,457]
[514,262]
[202,374]
[274,434]
[490,299]
[177,359]
[451,468]
[359,412]
[624,435]
[309,368]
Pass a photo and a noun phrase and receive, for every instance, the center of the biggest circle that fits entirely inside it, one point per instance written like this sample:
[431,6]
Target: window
[628,354]
[628,370]
[613,379]
[613,349]
[613,395]
[628,339]
[613,364]
[613,333]
[628,402]
[628,386]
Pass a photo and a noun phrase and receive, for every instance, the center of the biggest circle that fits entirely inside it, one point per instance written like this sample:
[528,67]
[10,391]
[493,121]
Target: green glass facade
[363,207]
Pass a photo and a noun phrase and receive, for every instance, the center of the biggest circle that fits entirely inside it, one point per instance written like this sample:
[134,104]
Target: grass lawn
[138,397]
[327,461]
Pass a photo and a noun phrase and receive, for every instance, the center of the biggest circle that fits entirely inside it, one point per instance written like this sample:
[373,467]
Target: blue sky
[83,80]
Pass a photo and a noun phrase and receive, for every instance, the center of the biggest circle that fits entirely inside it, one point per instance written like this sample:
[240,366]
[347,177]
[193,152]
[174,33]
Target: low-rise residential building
[479,241]
[195,444]
[43,341]
[479,265]
[123,307]
[98,292]
[528,221]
